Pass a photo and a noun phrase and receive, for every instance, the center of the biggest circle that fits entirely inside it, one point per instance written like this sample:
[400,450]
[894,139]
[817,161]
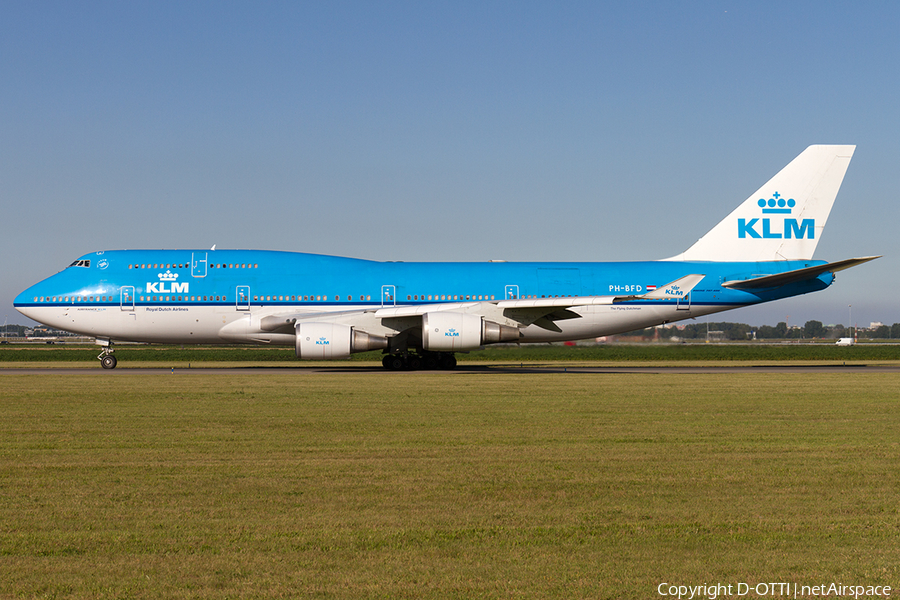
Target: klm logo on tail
[769,226]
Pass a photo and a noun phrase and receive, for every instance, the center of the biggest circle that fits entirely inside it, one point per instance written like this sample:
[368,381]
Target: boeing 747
[419,314]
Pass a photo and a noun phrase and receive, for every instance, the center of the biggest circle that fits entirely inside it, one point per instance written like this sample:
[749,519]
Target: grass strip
[420,485]
[525,353]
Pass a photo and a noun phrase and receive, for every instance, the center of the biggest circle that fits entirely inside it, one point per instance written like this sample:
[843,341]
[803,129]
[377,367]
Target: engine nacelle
[332,341]
[451,332]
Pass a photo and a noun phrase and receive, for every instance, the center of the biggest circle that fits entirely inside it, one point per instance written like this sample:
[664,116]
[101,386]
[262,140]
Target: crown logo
[168,276]
[776,205]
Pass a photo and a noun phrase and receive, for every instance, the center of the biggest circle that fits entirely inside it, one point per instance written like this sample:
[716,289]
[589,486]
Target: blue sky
[442,131]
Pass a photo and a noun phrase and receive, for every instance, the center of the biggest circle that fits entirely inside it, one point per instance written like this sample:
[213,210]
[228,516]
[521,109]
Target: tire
[431,361]
[394,363]
[108,362]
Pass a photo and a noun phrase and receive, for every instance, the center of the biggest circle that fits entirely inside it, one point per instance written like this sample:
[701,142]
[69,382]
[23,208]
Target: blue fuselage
[153,295]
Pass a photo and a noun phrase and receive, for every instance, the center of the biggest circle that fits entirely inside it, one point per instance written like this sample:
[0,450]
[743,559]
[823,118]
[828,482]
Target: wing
[522,311]
[544,312]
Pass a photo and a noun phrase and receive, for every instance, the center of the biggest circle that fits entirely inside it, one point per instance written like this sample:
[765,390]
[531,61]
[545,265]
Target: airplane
[418,314]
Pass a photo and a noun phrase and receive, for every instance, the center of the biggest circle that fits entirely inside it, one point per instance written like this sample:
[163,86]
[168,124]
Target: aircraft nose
[26,302]
[23,298]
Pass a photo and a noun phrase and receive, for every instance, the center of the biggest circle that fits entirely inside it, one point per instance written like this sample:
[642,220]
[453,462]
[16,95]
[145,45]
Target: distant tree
[732,331]
[814,329]
[882,332]
[736,331]
[766,332]
[692,331]
[742,331]
[14,330]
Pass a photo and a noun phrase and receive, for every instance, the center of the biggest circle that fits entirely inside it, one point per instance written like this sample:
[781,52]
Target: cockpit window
[81,263]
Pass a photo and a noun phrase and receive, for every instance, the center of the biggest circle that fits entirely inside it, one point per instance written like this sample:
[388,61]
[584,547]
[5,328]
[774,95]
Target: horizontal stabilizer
[779,279]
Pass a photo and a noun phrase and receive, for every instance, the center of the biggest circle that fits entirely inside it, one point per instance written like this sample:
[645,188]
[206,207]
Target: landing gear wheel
[413,363]
[393,362]
[448,362]
[108,362]
[430,361]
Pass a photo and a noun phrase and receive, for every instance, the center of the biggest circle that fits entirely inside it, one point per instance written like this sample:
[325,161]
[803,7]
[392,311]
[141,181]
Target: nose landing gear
[107,360]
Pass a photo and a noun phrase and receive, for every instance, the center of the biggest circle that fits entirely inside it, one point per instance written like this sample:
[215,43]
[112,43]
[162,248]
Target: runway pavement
[475,369]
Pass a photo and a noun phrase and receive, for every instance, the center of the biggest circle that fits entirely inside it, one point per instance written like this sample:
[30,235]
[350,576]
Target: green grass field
[437,485]
[131,356]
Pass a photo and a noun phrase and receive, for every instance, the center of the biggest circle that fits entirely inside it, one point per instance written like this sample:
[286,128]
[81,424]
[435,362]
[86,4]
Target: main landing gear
[428,361]
[107,360]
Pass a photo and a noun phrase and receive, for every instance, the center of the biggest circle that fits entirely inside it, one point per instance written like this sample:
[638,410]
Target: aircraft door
[683,303]
[127,302]
[388,295]
[198,264]
[243,297]
[512,292]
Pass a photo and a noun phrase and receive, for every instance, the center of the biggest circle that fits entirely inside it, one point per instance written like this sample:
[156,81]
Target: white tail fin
[784,219]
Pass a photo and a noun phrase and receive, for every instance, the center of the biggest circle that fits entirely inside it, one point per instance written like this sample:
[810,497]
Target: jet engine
[331,341]
[451,332]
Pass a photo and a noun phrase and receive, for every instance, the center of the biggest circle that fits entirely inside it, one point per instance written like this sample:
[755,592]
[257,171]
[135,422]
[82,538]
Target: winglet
[675,290]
